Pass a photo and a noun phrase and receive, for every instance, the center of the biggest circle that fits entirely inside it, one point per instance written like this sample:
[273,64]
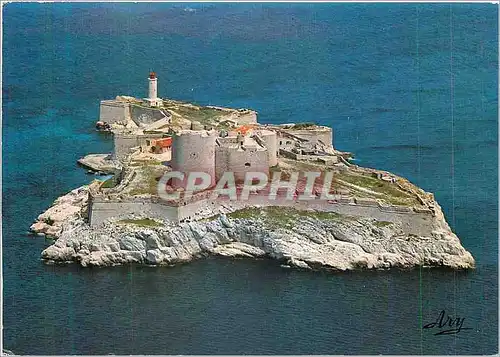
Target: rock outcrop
[336,243]
[303,239]
[66,208]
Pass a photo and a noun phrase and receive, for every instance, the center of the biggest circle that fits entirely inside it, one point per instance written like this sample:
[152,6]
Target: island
[186,181]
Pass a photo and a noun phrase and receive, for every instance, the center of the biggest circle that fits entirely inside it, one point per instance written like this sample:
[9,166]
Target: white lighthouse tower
[153,99]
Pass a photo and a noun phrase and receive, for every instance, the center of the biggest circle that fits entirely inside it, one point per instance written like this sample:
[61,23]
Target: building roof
[163,143]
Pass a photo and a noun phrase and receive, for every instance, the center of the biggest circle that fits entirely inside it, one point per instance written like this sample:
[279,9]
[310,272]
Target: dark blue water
[408,88]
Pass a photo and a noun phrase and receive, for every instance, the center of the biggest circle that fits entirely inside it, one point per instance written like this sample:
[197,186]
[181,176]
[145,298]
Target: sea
[409,88]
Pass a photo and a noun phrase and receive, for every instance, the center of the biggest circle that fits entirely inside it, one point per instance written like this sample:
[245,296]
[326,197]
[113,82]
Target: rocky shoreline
[303,239]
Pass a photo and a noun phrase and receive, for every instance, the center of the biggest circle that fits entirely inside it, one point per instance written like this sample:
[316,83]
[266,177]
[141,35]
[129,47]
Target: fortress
[225,140]
[185,181]
[155,135]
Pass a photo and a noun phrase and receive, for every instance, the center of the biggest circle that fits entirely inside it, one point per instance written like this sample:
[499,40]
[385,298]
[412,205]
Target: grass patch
[109,183]
[249,212]
[303,125]
[369,182]
[145,222]
[302,166]
[382,223]
[323,215]
[225,126]
[283,216]
[136,163]
[146,181]
[387,192]
[204,115]
[392,194]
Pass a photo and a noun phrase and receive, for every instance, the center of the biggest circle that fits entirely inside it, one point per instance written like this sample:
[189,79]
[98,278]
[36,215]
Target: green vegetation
[369,182]
[109,183]
[382,224]
[225,125]
[273,169]
[303,125]
[204,115]
[323,215]
[146,162]
[246,212]
[389,191]
[283,216]
[145,222]
[303,165]
[146,181]
[380,189]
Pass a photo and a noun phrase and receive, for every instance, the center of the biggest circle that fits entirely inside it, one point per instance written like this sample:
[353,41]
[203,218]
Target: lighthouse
[152,98]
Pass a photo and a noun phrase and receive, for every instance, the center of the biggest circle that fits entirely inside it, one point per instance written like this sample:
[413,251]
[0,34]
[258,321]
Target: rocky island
[188,181]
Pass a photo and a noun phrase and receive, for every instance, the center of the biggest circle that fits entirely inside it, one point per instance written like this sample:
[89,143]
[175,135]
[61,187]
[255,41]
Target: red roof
[163,143]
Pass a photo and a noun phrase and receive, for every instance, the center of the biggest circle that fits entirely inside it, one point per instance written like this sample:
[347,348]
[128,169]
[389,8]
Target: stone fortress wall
[323,134]
[249,117]
[417,221]
[230,156]
[299,157]
[112,111]
[123,143]
[242,116]
[240,161]
[102,210]
[285,143]
[198,151]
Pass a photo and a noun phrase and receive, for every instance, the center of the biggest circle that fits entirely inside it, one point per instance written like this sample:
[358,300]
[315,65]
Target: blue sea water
[409,88]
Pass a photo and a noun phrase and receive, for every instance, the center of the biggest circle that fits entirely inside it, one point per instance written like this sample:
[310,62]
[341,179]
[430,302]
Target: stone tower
[193,151]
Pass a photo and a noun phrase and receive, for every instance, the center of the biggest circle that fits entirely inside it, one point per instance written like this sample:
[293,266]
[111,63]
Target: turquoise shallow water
[408,88]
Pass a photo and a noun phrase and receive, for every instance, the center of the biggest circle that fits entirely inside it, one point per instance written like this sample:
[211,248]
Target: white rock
[299,263]
[113,246]
[151,238]
[154,256]
[131,243]
[225,221]
[307,243]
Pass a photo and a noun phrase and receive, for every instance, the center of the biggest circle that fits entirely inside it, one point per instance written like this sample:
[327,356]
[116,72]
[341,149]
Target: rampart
[418,221]
[248,117]
[100,210]
[241,116]
[240,161]
[112,111]
[314,136]
[123,143]
[325,159]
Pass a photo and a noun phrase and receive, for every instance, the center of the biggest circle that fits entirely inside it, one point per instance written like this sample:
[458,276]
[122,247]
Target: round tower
[152,100]
[153,86]
[193,151]
[271,142]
